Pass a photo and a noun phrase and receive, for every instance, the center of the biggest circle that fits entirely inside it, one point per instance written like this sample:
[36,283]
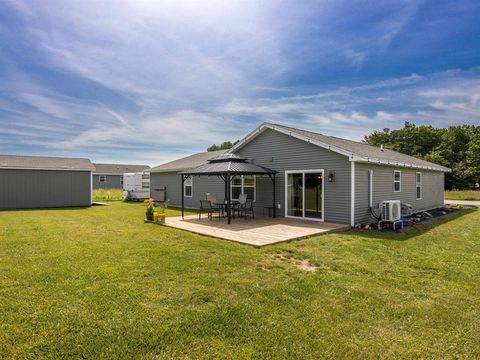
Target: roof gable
[355,151]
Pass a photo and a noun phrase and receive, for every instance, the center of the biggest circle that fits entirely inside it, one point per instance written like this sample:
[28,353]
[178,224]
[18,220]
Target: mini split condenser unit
[391,210]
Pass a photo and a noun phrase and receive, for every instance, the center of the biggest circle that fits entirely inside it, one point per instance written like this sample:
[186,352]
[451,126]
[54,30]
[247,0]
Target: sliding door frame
[303,172]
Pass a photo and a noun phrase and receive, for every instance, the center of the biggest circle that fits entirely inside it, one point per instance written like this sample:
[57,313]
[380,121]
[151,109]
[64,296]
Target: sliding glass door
[295,195]
[304,194]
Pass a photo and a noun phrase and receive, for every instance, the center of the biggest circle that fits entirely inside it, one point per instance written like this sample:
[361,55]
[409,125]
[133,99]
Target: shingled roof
[187,162]
[356,151]
[120,169]
[44,163]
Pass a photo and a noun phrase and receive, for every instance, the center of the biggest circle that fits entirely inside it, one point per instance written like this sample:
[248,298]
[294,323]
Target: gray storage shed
[319,177]
[28,182]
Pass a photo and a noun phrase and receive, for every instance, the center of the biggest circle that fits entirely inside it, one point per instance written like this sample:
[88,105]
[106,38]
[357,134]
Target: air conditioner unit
[391,210]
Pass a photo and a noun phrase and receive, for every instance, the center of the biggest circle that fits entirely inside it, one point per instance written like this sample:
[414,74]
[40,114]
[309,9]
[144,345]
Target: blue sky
[146,81]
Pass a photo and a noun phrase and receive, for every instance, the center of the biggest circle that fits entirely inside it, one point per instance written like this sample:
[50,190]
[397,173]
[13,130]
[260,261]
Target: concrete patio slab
[257,232]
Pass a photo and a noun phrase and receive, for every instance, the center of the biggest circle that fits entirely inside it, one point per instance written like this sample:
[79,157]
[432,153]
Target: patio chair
[246,209]
[211,197]
[206,207]
[242,199]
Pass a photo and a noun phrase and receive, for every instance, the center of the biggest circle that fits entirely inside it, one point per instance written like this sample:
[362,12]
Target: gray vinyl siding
[281,152]
[432,188]
[28,189]
[171,181]
[112,182]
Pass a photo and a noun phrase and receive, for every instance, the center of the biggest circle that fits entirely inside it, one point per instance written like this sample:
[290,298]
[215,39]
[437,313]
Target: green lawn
[99,283]
[462,195]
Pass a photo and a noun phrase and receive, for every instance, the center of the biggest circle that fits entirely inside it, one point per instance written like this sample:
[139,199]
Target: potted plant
[160,213]
[150,209]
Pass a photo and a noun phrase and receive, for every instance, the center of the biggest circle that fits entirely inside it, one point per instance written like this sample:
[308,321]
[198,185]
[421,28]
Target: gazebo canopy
[228,164]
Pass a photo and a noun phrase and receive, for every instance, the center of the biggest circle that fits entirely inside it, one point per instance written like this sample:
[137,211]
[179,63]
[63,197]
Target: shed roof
[187,162]
[44,163]
[101,169]
[356,151]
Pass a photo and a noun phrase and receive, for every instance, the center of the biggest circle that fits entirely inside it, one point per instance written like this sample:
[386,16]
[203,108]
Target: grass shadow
[410,231]
[48,209]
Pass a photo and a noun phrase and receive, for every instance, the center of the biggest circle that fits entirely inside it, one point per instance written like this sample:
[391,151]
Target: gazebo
[227,166]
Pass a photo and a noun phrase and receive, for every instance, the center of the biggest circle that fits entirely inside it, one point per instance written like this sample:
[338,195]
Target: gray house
[28,182]
[110,176]
[322,178]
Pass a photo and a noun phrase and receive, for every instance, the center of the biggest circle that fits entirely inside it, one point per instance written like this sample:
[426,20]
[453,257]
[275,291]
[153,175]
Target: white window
[188,187]
[244,184]
[397,181]
[121,180]
[102,178]
[418,185]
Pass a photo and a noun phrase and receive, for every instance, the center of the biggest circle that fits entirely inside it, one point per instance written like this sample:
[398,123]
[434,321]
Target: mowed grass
[462,195]
[99,283]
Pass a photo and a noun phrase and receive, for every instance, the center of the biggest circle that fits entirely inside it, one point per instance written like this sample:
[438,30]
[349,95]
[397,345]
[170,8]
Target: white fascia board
[248,138]
[400,164]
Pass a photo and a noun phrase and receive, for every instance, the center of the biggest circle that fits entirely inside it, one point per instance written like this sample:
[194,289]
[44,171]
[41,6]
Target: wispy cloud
[148,81]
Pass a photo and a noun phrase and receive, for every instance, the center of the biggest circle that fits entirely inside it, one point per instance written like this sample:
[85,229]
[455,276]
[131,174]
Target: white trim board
[352,156]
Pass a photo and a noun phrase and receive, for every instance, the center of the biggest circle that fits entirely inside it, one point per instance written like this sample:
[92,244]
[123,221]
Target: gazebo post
[183,181]
[228,198]
[225,194]
[274,201]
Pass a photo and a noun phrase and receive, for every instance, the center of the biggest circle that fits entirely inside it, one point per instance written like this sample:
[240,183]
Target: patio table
[223,207]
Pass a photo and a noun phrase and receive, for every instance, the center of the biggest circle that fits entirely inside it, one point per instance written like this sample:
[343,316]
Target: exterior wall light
[331,176]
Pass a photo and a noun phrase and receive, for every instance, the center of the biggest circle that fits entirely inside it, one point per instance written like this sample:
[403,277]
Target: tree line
[223,146]
[457,147]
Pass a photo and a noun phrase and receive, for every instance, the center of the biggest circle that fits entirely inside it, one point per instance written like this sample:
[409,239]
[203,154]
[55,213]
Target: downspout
[352,193]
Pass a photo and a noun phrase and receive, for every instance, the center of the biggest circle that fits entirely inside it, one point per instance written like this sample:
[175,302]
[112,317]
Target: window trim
[100,177]
[121,180]
[397,181]
[190,179]
[418,185]
[243,186]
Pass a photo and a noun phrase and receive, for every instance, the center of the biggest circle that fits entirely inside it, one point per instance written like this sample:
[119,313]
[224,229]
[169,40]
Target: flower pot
[159,217]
